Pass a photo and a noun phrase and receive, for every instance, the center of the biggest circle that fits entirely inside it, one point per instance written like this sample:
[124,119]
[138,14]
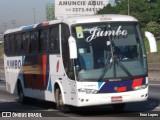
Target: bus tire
[118,107]
[22,98]
[59,101]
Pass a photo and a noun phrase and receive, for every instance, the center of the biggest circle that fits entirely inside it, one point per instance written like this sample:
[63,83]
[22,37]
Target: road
[10,102]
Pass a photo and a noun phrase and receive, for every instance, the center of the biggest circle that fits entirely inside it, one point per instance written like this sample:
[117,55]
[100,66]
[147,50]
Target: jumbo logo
[98,32]
[14,64]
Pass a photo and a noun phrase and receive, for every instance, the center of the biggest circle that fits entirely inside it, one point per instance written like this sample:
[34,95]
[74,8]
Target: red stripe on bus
[44,68]
[45,24]
[121,89]
[137,82]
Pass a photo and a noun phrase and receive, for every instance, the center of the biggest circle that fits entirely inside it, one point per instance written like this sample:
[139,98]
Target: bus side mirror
[152,41]
[72,47]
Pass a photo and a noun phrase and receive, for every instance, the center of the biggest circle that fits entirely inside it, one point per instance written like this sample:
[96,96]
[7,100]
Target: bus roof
[29,27]
[98,18]
[78,20]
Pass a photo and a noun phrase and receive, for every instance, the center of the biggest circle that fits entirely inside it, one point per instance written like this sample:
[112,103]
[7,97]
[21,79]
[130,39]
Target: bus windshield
[109,51]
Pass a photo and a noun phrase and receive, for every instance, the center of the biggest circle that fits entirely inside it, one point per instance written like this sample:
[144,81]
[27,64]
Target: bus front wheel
[59,101]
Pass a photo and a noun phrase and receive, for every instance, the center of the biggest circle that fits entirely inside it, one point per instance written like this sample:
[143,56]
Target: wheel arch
[59,85]
[20,81]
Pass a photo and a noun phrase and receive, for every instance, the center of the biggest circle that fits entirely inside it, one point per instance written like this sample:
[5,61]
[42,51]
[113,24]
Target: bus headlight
[140,87]
[87,91]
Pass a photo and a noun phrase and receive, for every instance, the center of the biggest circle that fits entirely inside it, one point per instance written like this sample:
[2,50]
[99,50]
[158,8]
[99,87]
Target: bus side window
[65,46]
[6,44]
[44,40]
[23,43]
[17,38]
[68,63]
[34,42]
[26,42]
[16,41]
[54,39]
[11,43]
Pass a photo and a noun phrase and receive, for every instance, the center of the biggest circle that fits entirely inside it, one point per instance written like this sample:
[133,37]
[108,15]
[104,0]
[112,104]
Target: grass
[153,57]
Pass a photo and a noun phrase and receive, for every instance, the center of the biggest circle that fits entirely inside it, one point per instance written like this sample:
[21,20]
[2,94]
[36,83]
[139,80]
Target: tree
[154,28]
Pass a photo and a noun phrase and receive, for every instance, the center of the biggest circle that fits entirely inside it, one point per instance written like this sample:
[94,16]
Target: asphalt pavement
[9,102]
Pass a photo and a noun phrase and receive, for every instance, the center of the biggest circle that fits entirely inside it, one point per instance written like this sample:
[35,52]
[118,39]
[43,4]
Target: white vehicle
[78,61]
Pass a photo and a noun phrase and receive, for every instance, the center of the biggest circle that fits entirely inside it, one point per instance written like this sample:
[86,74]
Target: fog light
[146,95]
[82,100]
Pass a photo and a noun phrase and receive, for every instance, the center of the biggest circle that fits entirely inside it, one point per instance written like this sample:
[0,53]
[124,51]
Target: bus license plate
[116,99]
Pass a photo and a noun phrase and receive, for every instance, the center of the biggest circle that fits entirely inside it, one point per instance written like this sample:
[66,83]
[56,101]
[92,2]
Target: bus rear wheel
[22,98]
[59,101]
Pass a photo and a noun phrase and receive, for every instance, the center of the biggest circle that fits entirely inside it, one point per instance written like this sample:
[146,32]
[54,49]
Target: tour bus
[78,61]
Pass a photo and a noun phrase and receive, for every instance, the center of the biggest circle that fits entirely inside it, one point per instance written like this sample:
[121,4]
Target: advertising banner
[65,8]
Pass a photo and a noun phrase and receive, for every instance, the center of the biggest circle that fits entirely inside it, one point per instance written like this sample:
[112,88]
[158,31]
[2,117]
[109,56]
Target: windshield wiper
[110,61]
[114,62]
[123,68]
[105,69]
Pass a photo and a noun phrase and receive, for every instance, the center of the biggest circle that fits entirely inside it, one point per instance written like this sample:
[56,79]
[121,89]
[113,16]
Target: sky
[21,12]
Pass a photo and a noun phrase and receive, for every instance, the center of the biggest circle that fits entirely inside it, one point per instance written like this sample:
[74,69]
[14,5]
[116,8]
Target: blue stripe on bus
[110,87]
[50,85]
[28,27]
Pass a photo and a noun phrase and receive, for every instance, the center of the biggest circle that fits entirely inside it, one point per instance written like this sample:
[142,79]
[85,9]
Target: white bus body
[54,69]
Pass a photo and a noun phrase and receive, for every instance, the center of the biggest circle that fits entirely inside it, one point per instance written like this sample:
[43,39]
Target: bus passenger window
[44,40]
[11,42]
[18,44]
[26,42]
[34,42]
[54,39]
[6,44]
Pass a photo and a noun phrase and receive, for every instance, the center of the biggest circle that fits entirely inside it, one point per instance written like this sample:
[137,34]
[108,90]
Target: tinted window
[67,62]
[6,45]
[44,40]
[26,42]
[11,44]
[34,42]
[18,44]
[54,39]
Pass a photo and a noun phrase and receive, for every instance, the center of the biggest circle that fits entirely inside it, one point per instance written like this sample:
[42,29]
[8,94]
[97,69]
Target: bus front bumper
[111,98]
